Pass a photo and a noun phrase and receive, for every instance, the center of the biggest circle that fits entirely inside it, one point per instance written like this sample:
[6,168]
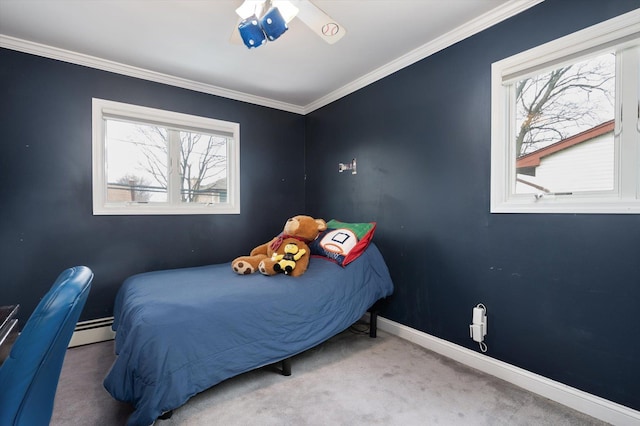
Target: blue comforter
[179,332]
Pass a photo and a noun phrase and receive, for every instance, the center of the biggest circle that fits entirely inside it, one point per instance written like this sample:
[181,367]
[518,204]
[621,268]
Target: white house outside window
[150,161]
[565,124]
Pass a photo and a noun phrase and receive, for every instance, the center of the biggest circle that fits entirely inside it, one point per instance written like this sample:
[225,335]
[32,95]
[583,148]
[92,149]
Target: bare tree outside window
[203,162]
[554,105]
[139,164]
[153,156]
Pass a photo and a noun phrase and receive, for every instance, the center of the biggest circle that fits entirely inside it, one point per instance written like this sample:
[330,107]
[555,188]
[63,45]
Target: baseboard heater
[92,331]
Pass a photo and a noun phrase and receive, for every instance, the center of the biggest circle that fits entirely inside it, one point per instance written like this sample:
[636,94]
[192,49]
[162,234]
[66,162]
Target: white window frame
[622,32]
[102,109]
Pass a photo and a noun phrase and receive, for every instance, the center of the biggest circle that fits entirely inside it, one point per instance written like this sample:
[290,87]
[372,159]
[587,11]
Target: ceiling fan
[262,20]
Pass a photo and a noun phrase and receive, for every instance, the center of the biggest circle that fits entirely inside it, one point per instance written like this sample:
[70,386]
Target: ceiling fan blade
[251,7]
[319,22]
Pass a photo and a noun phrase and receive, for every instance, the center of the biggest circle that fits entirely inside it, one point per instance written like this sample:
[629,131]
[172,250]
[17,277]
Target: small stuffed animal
[299,230]
[287,261]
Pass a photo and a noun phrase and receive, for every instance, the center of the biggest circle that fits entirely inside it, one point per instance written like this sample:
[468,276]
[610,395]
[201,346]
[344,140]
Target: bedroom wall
[46,221]
[561,290]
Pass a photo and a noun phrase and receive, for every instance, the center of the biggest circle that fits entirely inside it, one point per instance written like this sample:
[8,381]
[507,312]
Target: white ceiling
[187,42]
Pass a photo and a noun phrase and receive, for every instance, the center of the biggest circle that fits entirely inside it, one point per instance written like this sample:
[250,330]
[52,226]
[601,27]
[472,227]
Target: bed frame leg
[166,415]
[373,317]
[373,324]
[286,367]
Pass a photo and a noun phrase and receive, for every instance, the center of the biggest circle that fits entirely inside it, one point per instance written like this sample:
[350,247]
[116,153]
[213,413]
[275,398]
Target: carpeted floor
[349,380]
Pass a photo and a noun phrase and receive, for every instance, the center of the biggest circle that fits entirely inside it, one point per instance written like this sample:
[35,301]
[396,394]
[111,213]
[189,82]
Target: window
[150,161]
[565,124]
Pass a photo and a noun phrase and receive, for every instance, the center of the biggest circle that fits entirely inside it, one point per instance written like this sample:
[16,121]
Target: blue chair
[29,376]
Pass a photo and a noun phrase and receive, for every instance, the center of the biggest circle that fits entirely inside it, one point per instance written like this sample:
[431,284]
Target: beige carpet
[349,380]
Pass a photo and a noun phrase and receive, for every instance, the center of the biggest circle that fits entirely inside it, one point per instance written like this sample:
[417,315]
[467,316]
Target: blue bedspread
[179,332]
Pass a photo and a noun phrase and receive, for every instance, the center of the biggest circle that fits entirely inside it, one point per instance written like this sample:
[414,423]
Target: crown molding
[470,28]
[131,71]
[476,25]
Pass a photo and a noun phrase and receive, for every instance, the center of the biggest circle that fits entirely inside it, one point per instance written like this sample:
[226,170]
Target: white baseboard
[93,331]
[584,402]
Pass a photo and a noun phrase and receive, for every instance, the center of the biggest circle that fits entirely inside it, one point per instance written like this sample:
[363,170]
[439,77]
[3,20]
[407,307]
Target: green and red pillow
[343,242]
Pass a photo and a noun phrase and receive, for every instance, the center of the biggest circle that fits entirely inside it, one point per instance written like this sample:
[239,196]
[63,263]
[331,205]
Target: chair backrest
[29,376]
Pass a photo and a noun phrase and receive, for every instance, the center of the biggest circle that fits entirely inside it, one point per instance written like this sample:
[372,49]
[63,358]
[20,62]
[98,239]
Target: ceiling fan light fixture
[251,33]
[263,20]
[273,24]
[249,8]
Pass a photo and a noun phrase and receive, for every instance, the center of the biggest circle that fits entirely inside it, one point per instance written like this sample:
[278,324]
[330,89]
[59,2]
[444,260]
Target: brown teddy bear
[299,230]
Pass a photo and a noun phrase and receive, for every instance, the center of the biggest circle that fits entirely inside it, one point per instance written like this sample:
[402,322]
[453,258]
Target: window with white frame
[150,161]
[565,131]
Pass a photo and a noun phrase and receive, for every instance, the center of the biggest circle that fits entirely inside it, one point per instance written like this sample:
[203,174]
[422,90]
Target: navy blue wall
[561,290]
[46,221]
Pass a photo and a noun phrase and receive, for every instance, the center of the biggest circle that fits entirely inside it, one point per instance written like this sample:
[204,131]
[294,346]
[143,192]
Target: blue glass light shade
[273,24]
[251,33]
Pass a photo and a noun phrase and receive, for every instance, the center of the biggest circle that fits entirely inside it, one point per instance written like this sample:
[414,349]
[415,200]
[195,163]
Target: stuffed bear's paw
[263,268]
[266,267]
[242,268]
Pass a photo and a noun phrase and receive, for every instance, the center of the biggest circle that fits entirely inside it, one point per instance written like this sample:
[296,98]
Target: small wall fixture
[350,166]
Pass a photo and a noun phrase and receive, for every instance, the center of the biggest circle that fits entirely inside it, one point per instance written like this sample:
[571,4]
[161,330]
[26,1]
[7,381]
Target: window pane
[564,124]
[136,163]
[151,161]
[203,168]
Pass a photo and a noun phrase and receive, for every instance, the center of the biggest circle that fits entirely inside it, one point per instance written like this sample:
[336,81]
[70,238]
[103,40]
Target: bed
[181,331]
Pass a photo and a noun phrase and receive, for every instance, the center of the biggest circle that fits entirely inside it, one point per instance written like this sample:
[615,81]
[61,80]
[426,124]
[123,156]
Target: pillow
[343,242]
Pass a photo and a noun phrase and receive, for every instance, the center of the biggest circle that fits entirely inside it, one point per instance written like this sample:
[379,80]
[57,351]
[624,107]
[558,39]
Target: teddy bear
[287,262]
[299,230]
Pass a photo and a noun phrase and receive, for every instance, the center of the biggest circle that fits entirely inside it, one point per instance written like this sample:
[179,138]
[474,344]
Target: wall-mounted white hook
[350,166]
